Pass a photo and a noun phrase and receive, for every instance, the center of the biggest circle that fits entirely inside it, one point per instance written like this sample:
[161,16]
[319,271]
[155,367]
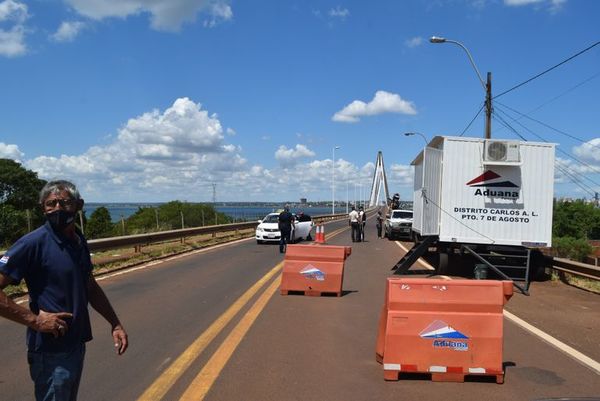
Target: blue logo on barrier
[311,272]
[450,338]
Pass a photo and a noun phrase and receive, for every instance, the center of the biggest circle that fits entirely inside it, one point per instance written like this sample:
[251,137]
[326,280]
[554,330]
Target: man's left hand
[120,339]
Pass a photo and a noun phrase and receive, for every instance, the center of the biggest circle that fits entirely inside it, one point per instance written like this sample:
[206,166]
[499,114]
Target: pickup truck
[398,224]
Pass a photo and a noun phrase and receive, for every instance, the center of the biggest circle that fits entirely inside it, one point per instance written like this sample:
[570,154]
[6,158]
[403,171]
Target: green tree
[572,248]
[143,221]
[576,219]
[19,187]
[99,225]
[169,217]
[13,224]
[19,191]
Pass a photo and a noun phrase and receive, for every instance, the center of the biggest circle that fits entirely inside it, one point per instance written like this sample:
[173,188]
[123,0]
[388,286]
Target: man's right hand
[47,322]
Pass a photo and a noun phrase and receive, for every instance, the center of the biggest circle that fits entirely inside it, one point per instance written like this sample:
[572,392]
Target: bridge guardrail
[577,268]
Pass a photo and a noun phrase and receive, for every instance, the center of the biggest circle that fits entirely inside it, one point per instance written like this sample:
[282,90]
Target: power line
[544,124]
[549,101]
[546,71]
[567,173]
[476,115]
[592,168]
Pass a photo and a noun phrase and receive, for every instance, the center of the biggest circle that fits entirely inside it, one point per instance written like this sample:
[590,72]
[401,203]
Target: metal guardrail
[576,268]
[105,244]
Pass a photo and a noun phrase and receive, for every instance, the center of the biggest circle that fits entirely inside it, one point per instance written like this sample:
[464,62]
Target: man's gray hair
[286,208]
[55,187]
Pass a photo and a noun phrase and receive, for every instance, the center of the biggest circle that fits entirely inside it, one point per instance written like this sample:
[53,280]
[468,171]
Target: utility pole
[488,106]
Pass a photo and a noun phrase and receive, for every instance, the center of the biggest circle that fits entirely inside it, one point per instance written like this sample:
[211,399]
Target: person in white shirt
[362,221]
[354,223]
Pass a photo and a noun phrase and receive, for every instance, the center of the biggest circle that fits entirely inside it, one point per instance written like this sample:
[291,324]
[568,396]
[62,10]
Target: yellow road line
[336,232]
[209,373]
[168,378]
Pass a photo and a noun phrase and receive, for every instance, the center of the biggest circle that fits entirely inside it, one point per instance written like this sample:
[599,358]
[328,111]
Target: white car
[399,224]
[268,229]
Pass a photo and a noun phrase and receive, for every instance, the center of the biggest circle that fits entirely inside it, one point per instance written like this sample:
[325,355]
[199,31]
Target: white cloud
[12,40]
[401,175]
[219,12]
[11,10]
[383,102]
[9,151]
[413,42]
[67,31]
[165,15]
[290,157]
[178,152]
[589,151]
[553,5]
[339,12]
[183,145]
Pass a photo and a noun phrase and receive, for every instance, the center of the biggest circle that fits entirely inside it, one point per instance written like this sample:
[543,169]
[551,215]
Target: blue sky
[154,100]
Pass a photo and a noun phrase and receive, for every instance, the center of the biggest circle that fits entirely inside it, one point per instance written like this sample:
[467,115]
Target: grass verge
[576,281]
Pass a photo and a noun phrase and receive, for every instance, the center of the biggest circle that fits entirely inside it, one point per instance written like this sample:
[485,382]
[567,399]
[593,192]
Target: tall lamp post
[417,133]
[487,86]
[333,179]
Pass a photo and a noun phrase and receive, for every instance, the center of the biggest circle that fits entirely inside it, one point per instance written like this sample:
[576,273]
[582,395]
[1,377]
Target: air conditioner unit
[501,152]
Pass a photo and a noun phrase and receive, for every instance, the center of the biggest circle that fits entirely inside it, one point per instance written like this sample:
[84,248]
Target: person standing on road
[285,223]
[353,222]
[54,260]
[379,223]
[362,218]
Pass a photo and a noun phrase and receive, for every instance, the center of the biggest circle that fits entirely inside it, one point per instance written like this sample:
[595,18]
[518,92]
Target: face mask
[60,219]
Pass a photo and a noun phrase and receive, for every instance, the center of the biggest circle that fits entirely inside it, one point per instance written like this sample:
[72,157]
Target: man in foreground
[54,260]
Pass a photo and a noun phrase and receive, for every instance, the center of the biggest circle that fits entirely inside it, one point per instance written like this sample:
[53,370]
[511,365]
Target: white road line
[421,260]
[572,352]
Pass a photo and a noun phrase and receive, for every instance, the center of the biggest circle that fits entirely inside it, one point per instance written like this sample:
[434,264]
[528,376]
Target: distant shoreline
[235,210]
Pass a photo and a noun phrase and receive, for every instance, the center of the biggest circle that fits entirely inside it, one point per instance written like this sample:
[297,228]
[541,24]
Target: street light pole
[487,86]
[417,133]
[333,179]
[488,106]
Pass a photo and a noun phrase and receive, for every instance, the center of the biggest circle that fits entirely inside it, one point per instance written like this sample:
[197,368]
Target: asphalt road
[192,336]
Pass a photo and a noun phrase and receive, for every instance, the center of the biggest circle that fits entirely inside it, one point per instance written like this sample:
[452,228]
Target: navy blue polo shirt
[56,271]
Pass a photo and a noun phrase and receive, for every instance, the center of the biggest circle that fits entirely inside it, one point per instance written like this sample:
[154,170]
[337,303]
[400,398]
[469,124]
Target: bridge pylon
[379,182]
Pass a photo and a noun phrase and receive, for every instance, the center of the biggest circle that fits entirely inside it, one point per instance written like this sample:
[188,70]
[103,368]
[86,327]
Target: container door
[430,193]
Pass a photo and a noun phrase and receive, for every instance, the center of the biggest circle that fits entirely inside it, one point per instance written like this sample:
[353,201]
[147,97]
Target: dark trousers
[284,240]
[56,375]
[355,231]
[378,230]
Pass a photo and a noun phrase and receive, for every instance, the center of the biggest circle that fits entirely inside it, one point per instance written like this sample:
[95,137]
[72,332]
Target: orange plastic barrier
[314,270]
[447,328]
